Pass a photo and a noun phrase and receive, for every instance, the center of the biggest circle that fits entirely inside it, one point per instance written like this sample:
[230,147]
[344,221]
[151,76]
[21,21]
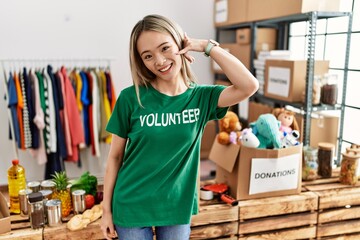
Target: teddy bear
[229,129]
[287,119]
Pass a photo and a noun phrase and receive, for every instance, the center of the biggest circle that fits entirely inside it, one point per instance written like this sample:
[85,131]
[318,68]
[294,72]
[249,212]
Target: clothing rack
[75,62]
[31,62]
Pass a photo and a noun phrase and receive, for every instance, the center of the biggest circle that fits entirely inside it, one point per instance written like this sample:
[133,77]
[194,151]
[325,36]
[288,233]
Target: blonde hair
[140,74]
[278,111]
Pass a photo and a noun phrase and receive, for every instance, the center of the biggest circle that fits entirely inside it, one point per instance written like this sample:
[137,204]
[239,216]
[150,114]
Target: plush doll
[290,139]
[248,139]
[229,129]
[287,119]
[266,129]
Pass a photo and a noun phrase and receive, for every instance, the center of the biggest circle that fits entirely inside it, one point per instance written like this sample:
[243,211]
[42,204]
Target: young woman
[157,124]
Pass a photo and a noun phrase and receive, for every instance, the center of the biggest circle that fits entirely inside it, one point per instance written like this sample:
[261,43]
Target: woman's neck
[170,88]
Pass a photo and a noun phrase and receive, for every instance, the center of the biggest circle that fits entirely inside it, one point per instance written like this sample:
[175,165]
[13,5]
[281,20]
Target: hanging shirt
[63,114]
[95,113]
[31,109]
[39,153]
[26,117]
[12,104]
[19,110]
[103,117]
[78,84]
[50,123]
[75,125]
[107,106]
[85,103]
[61,145]
[111,91]
[156,185]
[91,113]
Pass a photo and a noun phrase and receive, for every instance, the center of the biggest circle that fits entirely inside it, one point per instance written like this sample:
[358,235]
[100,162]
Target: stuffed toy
[287,119]
[229,129]
[248,139]
[266,129]
[290,139]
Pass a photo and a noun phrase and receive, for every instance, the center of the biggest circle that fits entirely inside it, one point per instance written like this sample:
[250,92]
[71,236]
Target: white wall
[43,29]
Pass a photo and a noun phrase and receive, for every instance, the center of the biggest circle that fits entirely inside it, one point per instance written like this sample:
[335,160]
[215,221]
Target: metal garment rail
[29,62]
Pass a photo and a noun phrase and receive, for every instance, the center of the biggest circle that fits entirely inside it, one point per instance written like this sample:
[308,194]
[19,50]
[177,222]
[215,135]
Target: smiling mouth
[165,69]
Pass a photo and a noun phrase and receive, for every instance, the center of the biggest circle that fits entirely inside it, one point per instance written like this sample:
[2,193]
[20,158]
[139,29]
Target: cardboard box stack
[241,52]
[265,40]
[259,64]
[229,12]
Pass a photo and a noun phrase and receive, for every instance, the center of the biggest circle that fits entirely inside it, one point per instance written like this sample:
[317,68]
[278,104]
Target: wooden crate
[283,217]
[20,230]
[339,209]
[215,220]
[92,231]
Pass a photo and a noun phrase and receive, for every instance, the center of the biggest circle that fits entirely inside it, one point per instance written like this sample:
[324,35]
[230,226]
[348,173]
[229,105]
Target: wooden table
[215,220]
[325,209]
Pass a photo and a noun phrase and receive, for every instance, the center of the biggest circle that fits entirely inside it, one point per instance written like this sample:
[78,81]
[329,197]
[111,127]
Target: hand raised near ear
[191,44]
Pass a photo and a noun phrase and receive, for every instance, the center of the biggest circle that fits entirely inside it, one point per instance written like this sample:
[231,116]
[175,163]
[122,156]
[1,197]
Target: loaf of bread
[81,221]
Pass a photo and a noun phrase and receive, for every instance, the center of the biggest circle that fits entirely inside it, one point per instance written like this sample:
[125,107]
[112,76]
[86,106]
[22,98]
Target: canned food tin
[34,186]
[47,185]
[23,201]
[46,197]
[53,209]
[46,194]
[78,199]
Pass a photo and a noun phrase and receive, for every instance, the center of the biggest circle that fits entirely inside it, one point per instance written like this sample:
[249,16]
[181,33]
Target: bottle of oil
[16,181]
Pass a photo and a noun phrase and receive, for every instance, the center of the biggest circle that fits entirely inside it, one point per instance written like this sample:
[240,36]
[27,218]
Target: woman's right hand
[107,226]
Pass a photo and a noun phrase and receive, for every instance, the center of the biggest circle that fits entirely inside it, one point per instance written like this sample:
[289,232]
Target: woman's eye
[146,57]
[165,48]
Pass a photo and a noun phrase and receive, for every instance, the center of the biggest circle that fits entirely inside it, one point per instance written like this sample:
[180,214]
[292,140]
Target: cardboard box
[324,128]
[228,12]
[263,35]
[241,52]
[260,9]
[285,79]
[207,139]
[256,173]
[5,224]
[256,109]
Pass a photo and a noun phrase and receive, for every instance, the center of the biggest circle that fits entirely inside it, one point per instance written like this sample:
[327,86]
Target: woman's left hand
[190,44]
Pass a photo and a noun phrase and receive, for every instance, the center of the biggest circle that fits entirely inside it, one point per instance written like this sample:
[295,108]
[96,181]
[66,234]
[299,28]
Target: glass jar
[349,165]
[316,91]
[329,89]
[325,158]
[36,210]
[310,163]
[356,149]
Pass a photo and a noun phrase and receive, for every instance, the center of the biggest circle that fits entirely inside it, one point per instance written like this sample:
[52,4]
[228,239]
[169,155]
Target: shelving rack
[282,24]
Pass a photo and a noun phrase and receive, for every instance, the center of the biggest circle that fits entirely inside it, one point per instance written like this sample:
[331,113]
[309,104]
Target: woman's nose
[160,60]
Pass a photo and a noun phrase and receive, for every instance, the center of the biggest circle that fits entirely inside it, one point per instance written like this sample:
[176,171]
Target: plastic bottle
[17,182]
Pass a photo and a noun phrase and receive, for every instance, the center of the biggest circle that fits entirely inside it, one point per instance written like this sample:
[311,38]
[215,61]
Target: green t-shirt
[156,185]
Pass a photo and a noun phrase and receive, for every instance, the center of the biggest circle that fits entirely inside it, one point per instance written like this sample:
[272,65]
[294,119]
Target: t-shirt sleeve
[119,122]
[214,111]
